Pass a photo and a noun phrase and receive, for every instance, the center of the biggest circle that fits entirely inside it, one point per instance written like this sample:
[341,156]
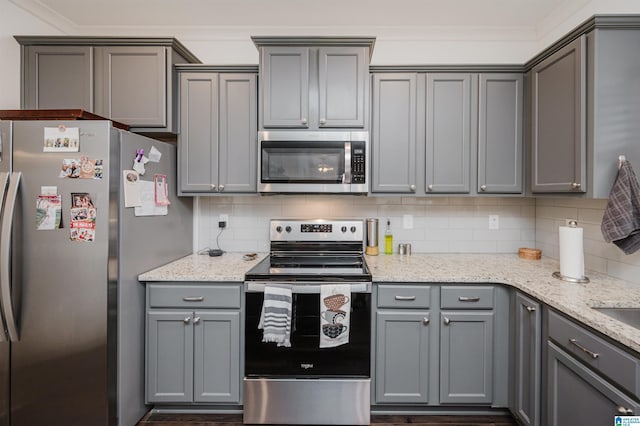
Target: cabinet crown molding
[260,41]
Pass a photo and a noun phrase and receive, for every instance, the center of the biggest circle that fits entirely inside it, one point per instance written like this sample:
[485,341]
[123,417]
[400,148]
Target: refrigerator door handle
[5,256]
[4,182]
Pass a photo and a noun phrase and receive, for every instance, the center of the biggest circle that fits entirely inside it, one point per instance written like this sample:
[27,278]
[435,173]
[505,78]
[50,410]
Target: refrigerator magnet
[161,192]
[82,226]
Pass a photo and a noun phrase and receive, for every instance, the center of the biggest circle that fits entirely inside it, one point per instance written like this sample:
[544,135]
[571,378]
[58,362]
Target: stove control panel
[316,230]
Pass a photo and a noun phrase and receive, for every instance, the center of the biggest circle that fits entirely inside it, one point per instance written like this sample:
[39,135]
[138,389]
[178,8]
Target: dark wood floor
[163,419]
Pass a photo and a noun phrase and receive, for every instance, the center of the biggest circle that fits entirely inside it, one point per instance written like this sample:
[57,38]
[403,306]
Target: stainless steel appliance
[313,162]
[72,344]
[306,384]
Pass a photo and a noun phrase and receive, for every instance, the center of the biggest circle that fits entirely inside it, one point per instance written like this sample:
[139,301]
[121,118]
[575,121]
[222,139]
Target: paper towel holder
[558,275]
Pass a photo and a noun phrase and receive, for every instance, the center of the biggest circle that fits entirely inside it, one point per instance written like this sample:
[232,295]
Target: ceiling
[342,16]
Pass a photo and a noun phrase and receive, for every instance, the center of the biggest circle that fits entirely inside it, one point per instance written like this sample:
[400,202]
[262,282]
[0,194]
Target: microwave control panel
[358,169]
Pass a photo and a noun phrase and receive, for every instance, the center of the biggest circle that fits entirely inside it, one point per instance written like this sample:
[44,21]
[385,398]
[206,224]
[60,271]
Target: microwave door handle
[5,256]
[347,163]
[4,182]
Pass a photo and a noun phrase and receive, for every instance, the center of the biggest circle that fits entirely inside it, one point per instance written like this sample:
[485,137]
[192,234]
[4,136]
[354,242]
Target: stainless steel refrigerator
[72,338]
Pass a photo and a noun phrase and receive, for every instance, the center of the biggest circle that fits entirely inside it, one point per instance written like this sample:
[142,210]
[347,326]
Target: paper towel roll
[571,252]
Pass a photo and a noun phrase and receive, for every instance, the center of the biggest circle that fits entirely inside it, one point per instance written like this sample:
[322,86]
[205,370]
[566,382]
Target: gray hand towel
[621,221]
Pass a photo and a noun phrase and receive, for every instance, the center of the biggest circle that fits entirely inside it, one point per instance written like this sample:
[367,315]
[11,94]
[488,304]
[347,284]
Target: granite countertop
[531,276]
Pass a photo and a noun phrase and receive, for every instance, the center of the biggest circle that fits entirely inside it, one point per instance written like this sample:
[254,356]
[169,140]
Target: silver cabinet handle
[186,320]
[531,309]
[220,188]
[193,298]
[405,298]
[483,188]
[446,321]
[430,187]
[412,188]
[575,185]
[196,320]
[303,121]
[585,350]
[425,321]
[468,299]
[213,186]
[622,410]
[322,121]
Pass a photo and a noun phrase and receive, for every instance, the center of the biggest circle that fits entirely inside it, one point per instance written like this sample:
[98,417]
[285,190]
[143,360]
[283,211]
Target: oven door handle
[301,288]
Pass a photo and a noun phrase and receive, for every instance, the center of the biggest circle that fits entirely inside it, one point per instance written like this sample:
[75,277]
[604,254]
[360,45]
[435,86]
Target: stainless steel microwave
[313,162]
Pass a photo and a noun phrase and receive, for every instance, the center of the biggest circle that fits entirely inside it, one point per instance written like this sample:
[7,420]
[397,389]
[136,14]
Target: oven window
[302,162]
[305,358]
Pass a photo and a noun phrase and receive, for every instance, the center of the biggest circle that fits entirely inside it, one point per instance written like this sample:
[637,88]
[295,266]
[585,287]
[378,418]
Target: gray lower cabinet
[193,355]
[527,360]
[500,133]
[451,115]
[218,121]
[558,120]
[393,136]
[130,80]
[314,83]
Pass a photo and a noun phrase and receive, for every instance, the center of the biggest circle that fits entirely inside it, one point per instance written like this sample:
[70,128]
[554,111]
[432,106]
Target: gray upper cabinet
[393,136]
[58,77]
[451,115]
[527,360]
[217,142]
[131,84]
[500,134]
[314,83]
[130,80]
[558,121]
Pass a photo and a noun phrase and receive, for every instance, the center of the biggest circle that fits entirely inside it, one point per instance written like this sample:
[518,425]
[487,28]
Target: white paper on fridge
[154,155]
[571,252]
[130,181]
[148,205]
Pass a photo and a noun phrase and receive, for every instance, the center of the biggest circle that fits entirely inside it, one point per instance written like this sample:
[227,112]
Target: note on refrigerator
[148,205]
[131,188]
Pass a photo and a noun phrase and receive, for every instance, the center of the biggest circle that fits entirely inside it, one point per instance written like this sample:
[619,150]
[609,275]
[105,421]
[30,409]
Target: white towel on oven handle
[275,317]
[335,317]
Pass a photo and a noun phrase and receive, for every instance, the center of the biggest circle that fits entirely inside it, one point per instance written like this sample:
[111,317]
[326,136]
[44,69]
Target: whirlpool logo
[306,366]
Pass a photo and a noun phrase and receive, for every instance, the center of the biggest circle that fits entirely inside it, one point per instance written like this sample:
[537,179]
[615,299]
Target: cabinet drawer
[466,297]
[194,296]
[609,360]
[404,296]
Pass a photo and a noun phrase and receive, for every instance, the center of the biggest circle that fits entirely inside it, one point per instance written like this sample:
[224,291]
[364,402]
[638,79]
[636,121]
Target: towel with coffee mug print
[335,313]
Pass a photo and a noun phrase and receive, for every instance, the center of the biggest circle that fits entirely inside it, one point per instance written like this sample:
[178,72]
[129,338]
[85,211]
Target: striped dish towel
[275,318]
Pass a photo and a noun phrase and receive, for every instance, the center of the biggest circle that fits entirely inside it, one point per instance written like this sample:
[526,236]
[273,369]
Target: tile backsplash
[440,224]
[598,255]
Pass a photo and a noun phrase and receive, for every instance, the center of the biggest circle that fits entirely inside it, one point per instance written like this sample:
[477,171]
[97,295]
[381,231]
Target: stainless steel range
[312,380]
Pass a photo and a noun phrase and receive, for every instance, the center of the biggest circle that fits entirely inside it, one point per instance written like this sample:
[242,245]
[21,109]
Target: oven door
[305,359]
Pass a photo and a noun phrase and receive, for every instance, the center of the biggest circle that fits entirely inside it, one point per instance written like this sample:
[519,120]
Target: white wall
[14,21]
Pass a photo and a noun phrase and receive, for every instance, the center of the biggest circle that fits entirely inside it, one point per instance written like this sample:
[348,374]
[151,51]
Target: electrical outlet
[407,221]
[224,218]
[494,221]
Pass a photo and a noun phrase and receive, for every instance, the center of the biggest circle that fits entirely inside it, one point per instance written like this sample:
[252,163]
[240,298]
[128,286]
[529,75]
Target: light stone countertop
[531,276]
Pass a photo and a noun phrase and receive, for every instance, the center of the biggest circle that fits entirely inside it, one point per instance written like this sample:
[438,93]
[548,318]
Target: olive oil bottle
[388,239]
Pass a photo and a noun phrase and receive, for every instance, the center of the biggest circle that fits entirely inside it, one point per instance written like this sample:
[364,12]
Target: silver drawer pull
[531,309]
[405,298]
[186,320]
[196,320]
[585,350]
[468,299]
[622,410]
[447,321]
[425,321]
[193,299]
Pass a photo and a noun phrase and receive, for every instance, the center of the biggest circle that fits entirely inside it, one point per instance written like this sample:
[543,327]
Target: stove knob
[288,229]
[278,229]
[353,229]
[343,229]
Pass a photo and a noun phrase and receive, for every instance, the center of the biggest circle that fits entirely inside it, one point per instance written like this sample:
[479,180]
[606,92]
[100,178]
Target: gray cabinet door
[238,133]
[448,133]
[58,77]
[131,84]
[198,140]
[285,86]
[402,357]
[466,357]
[578,396]
[500,117]
[342,76]
[527,360]
[393,137]
[558,121]
[216,356]
[169,356]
